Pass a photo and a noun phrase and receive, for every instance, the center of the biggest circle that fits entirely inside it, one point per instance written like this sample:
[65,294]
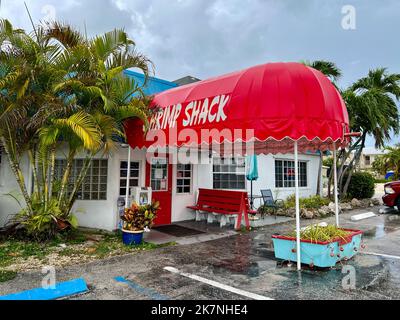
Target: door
[159,178]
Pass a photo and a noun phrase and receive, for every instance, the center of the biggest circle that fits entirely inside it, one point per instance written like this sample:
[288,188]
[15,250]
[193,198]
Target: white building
[175,189]
[174,185]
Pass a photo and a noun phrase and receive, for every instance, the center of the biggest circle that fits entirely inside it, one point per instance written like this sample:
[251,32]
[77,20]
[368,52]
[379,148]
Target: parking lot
[241,266]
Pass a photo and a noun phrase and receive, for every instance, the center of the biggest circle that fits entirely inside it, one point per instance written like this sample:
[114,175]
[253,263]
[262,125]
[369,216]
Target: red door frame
[164,215]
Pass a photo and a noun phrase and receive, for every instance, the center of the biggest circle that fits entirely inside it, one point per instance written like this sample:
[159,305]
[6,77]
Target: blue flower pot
[130,238]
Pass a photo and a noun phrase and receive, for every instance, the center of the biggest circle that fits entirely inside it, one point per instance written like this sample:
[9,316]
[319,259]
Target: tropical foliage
[62,91]
[332,71]
[137,218]
[361,186]
[390,161]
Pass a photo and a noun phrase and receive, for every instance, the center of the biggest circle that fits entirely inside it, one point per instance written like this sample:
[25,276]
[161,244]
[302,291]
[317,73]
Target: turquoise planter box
[319,254]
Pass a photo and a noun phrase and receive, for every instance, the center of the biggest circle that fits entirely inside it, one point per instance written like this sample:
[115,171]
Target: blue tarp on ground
[62,289]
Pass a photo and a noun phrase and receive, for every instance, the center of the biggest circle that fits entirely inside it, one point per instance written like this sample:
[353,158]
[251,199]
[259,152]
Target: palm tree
[57,88]
[391,160]
[371,102]
[332,71]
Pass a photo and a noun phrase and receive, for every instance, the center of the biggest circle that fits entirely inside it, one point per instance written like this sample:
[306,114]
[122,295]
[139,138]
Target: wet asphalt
[245,261]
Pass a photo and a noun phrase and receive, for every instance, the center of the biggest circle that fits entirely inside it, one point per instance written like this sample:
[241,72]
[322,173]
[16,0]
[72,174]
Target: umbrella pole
[251,195]
[335,184]
[296,179]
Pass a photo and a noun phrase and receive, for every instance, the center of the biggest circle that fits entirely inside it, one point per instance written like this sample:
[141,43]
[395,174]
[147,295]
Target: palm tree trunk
[354,164]
[15,168]
[52,168]
[65,179]
[32,159]
[321,157]
[78,183]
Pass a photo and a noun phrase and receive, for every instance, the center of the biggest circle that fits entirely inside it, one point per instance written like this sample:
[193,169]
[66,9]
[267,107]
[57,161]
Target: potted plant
[321,245]
[135,220]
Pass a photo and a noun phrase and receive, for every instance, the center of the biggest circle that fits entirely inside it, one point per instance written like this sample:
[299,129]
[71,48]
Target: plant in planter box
[136,219]
[320,245]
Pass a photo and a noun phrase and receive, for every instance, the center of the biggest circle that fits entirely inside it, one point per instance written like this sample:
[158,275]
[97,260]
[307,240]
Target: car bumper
[389,199]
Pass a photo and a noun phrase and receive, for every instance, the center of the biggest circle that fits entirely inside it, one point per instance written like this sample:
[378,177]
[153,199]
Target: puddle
[390,224]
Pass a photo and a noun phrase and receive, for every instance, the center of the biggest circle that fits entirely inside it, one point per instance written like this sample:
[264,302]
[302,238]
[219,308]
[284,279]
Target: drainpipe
[128,178]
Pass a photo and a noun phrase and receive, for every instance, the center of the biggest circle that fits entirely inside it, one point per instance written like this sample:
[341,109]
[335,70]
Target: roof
[154,85]
[279,103]
[373,151]
[186,80]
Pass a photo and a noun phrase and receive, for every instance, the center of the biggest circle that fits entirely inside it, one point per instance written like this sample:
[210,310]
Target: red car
[392,194]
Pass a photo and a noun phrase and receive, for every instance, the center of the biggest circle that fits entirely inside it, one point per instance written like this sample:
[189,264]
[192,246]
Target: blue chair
[270,202]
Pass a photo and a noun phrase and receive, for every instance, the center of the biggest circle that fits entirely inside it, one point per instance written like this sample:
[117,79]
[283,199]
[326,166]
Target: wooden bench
[224,202]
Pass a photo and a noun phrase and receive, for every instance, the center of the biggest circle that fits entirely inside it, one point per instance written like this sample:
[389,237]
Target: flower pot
[132,237]
[62,224]
[319,254]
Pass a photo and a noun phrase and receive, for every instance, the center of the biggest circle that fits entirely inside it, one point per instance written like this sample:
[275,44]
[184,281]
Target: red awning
[272,104]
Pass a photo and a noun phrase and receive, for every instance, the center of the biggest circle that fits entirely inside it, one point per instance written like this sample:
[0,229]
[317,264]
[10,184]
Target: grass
[321,234]
[90,244]
[313,202]
[7,275]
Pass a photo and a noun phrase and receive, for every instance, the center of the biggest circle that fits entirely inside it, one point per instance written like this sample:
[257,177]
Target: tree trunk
[354,164]
[14,165]
[52,168]
[32,159]
[65,179]
[78,184]
[321,157]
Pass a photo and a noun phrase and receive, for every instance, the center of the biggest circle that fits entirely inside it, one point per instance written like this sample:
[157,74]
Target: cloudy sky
[204,38]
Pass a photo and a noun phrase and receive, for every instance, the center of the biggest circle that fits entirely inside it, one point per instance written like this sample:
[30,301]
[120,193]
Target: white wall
[8,184]
[266,171]
[103,214]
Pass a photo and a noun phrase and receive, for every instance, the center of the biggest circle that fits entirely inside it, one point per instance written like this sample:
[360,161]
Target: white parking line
[382,255]
[218,285]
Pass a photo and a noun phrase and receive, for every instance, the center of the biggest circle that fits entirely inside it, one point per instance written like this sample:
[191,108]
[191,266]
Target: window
[284,174]
[229,173]
[94,186]
[123,174]
[183,178]
[367,160]
[159,174]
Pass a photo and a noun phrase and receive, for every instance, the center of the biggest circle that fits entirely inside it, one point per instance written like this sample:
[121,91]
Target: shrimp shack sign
[197,113]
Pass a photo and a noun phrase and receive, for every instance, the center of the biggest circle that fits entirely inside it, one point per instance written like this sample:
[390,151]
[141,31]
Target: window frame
[190,178]
[167,174]
[306,175]
[222,172]
[125,178]
[90,175]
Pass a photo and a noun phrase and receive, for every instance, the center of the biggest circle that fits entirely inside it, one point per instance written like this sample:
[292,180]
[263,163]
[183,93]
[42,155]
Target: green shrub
[313,202]
[362,186]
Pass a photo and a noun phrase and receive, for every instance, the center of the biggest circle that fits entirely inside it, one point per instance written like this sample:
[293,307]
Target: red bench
[225,202]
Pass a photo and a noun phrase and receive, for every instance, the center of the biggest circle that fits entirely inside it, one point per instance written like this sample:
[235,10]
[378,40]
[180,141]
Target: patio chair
[269,201]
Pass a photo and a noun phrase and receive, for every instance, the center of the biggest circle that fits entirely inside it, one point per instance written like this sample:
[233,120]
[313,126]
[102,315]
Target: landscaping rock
[332,207]
[281,212]
[346,206]
[291,212]
[376,202]
[324,211]
[366,203]
[307,214]
[356,203]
